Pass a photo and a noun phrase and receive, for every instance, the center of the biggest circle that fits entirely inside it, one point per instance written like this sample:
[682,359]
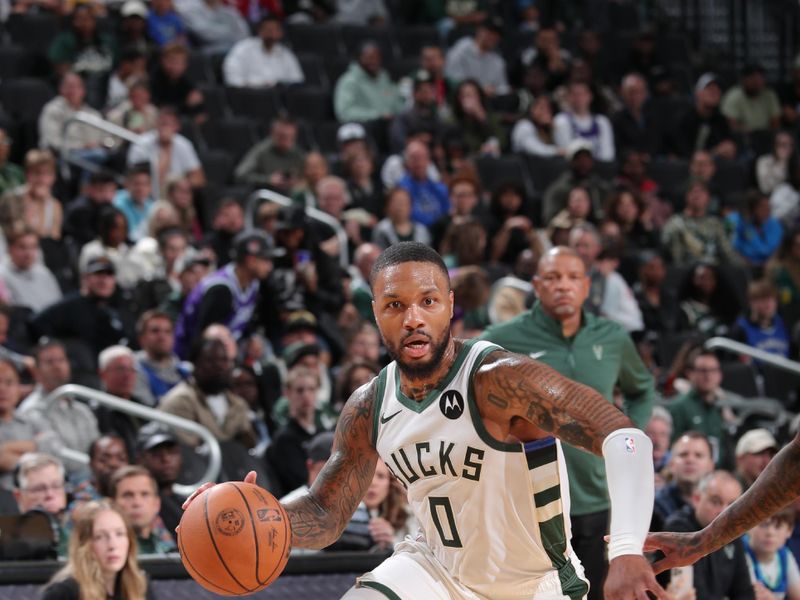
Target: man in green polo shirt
[593,351]
[699,409]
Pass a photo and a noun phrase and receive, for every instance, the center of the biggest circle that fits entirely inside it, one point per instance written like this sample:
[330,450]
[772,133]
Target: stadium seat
[200,69]
[313,104]
[24,98]
[218,165]
[740,378]
[215,101]
[235,135]
[780,384]
[324,40]
[325,136]
[402,67]
[33,31]
[355,35]
[731,177]
[544,170]
[670,175]
[263,105]
[335,66]
[457,33]
[314,70]
[410,40]
[15,61]
[495,171]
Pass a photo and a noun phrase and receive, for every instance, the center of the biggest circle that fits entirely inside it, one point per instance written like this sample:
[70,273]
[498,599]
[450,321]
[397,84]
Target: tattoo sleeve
[510,386]
[319,517]
[776,487]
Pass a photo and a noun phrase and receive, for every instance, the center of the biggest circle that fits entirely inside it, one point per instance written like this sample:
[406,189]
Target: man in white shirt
[262,60]
[169,153]
[28,281]
[475,58]
[71,99]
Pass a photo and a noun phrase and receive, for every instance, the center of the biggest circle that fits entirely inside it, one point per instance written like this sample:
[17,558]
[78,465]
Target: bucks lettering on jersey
[491,512]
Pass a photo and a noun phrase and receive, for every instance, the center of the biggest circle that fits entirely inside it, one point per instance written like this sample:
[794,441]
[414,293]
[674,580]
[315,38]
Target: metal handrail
[106,126]
[151,414]
[773,359]
[259,196]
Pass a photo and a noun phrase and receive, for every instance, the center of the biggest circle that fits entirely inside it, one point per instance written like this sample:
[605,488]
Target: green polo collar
[553,326]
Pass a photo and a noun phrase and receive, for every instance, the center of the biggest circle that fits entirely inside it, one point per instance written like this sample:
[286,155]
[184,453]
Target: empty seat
[544,170]
[314,104]
[313,70]
[322,40]
[730,177]
[325,136]
[15,61]
[235,135]
[259,104]
[495,171]
[33,31]
[215,101]
[218,166]
[24,98]
[355,35]
[410,40]
[740,379]
[670,175]
[335,66]
[402,67]
[780,384]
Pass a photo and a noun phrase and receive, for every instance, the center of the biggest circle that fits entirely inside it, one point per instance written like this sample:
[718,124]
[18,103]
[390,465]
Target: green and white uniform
[492,514]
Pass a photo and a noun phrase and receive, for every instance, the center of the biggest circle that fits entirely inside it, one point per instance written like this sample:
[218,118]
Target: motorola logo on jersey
[451,404]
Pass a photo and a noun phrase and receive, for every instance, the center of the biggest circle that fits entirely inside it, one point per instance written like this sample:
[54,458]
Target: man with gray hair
[609,295]
[117,369]
[724,573]
[659,430]
[40,484]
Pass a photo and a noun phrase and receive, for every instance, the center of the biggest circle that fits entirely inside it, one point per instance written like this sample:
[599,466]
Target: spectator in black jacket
[635,126]
[97,314]
[82,214]
[171,86]
[721,574]
[703,126]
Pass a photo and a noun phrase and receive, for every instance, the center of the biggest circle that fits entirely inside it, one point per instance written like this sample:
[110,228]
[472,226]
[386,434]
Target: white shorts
[412,573]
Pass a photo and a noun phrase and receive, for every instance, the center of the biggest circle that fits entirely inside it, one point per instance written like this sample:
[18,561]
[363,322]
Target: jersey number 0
[440,506]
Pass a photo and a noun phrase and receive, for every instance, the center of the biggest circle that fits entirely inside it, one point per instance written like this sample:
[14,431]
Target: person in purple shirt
[430,199]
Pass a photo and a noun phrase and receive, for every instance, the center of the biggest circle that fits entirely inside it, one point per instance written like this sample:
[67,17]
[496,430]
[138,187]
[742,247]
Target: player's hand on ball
[630,578]
[249,478]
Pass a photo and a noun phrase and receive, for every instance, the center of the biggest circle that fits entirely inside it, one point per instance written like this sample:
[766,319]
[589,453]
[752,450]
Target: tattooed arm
[777,486]
[319,517]
[511,387]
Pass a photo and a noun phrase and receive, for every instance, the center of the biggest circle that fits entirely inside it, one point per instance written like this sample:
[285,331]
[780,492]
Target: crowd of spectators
[135,268]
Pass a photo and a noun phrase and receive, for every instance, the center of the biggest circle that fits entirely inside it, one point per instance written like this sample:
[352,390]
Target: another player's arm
[777,486]
[511,386]
[319,517]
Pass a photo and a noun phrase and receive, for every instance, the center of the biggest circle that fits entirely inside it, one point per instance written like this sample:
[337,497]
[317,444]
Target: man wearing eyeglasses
[699,408]
[40,485]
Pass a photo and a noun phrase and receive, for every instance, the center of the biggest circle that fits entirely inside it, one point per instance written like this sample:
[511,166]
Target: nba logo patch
[630,445]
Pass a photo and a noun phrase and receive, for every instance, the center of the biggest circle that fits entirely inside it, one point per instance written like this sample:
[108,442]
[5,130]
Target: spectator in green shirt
[699,409]
[593,351]
[751,105]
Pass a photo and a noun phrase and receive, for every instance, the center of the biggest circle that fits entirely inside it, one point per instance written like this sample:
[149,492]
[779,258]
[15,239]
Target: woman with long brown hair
[102,562]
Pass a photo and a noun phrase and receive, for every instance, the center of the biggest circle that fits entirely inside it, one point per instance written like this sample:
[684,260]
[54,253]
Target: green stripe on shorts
[381,588]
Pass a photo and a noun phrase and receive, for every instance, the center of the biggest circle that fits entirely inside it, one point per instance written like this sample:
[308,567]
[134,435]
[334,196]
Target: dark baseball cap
[294,352]
[318,449]
[99,264]
[291,217]
[254,242]
[154,434]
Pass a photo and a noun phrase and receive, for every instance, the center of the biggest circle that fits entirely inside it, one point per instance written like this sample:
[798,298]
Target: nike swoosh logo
[537,354]
[385,419]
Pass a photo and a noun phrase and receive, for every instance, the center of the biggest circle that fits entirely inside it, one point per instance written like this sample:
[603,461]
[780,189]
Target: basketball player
[777,486]
[468,429]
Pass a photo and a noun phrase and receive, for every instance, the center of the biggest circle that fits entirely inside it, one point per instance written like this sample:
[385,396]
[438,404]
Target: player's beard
[418,369]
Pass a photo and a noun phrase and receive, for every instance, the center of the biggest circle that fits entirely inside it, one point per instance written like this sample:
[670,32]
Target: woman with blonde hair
[102,562]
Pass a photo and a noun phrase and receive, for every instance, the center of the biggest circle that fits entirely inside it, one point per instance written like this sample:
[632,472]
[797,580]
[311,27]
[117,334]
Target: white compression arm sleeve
[628,455]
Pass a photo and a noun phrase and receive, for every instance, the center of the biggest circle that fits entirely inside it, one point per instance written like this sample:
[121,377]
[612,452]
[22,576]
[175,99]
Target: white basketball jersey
[492,513]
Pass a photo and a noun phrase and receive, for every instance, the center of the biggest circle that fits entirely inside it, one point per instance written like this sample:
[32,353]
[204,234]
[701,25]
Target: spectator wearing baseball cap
[157,450]
[229,295]
[754,450]
[97,314]
[702,126]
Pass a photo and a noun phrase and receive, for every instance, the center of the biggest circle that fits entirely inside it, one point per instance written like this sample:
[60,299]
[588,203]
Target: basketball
[234,539]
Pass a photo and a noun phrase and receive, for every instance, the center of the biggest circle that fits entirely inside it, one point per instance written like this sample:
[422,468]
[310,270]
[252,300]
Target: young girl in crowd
[102,563]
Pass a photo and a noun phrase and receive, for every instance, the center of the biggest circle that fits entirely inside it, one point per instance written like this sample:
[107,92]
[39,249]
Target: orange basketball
[234,539]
